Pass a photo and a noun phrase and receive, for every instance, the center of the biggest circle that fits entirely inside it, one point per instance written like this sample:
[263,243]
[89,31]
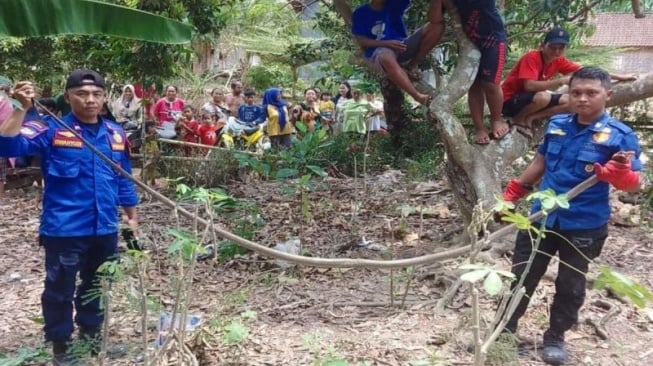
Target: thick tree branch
[584,10]
[628,92]
[343,8]
[637,9]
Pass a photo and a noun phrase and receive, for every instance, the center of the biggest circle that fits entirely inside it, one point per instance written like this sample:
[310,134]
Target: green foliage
[25,356]
[305,157]
[414,150]
[262,77]
[549,199]
[623,286]
[185,244]
[47,60]
[328,357]
[247,224]
[493,284]
[235,332]
[216,197]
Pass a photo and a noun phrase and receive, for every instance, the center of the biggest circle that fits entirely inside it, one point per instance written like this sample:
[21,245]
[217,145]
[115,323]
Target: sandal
[481,139]
[525,131]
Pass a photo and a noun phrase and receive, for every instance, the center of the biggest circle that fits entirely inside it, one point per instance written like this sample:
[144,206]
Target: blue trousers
[64,259]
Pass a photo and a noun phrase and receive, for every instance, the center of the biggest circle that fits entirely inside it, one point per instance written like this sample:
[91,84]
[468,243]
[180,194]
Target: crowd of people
[173,117]
[82,193]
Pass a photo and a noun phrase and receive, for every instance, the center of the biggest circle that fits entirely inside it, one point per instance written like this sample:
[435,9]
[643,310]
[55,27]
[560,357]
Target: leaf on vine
[474,276]
[493,283]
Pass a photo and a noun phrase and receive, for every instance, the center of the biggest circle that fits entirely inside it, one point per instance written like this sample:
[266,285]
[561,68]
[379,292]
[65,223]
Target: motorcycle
[134,135]
[245,136]
[167,129]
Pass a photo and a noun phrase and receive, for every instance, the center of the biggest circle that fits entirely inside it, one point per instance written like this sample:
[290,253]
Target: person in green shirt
[355,112]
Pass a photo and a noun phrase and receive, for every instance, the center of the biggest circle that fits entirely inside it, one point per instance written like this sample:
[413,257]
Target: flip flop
[525,131]
[481,140]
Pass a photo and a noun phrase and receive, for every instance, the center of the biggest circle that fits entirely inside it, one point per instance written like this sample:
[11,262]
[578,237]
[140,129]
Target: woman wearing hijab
[276,111]
[127,108]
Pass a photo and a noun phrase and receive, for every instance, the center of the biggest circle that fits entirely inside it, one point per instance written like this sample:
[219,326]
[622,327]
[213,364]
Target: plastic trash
[165,325]
[291,246]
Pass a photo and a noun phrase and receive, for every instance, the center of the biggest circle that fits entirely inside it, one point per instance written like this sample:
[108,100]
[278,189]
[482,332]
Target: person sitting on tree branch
[575,146]
[378,27]
[526,95]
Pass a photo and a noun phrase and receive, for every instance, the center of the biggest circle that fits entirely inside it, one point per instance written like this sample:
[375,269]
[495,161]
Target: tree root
[599,325]
[446,298]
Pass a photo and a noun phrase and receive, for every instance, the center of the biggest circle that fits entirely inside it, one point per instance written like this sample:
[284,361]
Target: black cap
[84,77]
[557,36]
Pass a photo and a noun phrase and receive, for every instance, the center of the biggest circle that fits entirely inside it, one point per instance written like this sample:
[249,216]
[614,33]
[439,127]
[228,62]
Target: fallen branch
[192,144]
[166,157]
[599,325]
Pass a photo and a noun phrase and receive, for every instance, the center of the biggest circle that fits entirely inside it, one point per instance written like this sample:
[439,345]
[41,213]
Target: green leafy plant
[25,356]
[493,284]
[623,286]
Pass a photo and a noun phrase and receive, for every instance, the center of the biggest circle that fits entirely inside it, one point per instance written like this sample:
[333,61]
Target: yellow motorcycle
[245,136]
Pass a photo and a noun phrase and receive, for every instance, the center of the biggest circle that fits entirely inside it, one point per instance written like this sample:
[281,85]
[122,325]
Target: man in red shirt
[526,95]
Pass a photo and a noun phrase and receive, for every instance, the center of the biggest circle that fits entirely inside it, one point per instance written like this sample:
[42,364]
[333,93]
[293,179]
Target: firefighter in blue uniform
[80,218]
[575,146]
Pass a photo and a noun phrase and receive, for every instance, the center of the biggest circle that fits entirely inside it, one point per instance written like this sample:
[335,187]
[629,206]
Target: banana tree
[39,18]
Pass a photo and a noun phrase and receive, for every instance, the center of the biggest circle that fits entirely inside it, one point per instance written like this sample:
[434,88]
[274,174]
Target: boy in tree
[574,147]
[378,27]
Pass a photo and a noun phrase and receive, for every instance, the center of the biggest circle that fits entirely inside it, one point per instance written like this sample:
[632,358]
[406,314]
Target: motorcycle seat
[250,130]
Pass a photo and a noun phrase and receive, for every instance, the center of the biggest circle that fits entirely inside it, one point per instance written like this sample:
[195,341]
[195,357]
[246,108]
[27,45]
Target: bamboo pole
[192,144]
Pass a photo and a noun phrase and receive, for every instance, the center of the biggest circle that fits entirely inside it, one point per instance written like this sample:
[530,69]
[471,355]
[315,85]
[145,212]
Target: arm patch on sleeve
[33,129]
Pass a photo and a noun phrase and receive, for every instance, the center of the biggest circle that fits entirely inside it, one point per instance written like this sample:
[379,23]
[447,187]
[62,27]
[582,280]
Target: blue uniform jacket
[82,193]
[570,153]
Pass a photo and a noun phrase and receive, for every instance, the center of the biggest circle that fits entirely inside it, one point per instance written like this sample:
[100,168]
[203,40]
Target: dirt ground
[311,316]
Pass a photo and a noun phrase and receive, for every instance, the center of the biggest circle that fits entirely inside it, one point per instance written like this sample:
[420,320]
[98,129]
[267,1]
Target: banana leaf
[38,18]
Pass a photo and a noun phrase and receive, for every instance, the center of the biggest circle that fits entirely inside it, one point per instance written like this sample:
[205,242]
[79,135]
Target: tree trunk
[637,9]
[628,92]
[394,107]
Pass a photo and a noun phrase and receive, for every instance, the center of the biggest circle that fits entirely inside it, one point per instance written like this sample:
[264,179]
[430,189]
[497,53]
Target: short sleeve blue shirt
[251,113]
[386,24]
[82,192]
[570,152]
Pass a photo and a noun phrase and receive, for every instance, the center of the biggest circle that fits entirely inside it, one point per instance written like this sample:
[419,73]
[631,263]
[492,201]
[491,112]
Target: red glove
[617,172]
[514,191]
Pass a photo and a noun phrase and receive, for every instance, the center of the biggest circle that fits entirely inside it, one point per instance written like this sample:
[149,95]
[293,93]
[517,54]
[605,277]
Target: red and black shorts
[493,60]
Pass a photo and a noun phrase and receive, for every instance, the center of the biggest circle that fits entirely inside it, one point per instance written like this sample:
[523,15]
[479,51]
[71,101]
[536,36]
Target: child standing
[327,108]
[207,131]
[250,112]
[187,127]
